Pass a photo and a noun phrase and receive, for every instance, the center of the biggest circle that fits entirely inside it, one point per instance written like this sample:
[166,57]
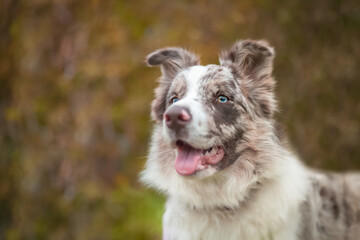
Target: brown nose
[177,117]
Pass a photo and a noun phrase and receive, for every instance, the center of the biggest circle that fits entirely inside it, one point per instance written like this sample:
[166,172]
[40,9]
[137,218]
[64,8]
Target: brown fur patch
[178,88]
[251,62]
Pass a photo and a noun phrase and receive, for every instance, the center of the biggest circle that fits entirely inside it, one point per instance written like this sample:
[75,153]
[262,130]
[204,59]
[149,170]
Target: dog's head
[211,114]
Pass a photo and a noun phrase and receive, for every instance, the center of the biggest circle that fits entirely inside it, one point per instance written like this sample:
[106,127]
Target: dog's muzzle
[177,117]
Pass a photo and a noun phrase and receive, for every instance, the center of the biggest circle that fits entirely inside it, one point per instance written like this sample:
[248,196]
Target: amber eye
[222,99]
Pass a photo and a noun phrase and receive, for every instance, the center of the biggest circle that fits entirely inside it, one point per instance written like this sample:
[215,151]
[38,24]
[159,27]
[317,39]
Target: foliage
[75,97]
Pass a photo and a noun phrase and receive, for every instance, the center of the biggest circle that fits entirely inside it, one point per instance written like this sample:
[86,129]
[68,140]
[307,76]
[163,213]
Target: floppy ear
[171,61]
[252,62]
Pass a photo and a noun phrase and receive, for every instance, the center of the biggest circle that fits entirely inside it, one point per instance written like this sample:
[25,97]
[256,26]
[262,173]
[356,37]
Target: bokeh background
[75,96]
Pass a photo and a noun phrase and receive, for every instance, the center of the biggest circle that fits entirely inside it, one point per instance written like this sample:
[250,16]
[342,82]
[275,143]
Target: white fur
[192,209]
[198,126]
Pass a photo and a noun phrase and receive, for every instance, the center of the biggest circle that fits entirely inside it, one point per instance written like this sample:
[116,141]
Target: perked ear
[250,57]
[172,60]
[252,62]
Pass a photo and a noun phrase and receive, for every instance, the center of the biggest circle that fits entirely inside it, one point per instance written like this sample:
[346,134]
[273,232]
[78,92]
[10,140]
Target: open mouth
[189,159]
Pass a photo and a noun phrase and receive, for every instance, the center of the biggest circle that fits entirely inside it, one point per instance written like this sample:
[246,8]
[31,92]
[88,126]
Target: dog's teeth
[210,151]
[213,150]
[207,152]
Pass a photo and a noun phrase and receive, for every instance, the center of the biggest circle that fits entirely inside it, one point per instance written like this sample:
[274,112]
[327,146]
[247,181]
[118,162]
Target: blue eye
[222,99]
[174,100]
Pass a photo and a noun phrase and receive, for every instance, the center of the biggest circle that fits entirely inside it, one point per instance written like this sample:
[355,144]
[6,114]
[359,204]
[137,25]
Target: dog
[223,162]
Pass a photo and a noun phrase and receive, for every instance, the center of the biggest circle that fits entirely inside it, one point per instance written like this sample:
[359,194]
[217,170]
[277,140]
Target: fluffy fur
[259,190]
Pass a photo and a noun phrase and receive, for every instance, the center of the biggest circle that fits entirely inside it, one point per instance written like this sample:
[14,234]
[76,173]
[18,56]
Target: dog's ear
[172,61]
[252,62]
[249,57]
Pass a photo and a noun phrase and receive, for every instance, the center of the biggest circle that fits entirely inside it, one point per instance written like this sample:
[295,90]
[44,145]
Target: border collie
[220,158]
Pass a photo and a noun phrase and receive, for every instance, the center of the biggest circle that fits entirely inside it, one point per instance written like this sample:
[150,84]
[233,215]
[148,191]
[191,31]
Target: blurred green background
[75,96]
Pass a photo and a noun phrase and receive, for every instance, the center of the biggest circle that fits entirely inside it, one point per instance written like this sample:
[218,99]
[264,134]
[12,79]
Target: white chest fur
[273,212]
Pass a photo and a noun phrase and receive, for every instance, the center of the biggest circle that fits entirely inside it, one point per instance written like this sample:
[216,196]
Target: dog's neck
[260,208]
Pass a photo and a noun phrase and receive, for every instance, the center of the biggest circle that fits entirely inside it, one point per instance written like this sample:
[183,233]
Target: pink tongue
[187,160]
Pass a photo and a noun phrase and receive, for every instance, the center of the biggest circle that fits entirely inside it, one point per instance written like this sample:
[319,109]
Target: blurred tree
[75,97]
